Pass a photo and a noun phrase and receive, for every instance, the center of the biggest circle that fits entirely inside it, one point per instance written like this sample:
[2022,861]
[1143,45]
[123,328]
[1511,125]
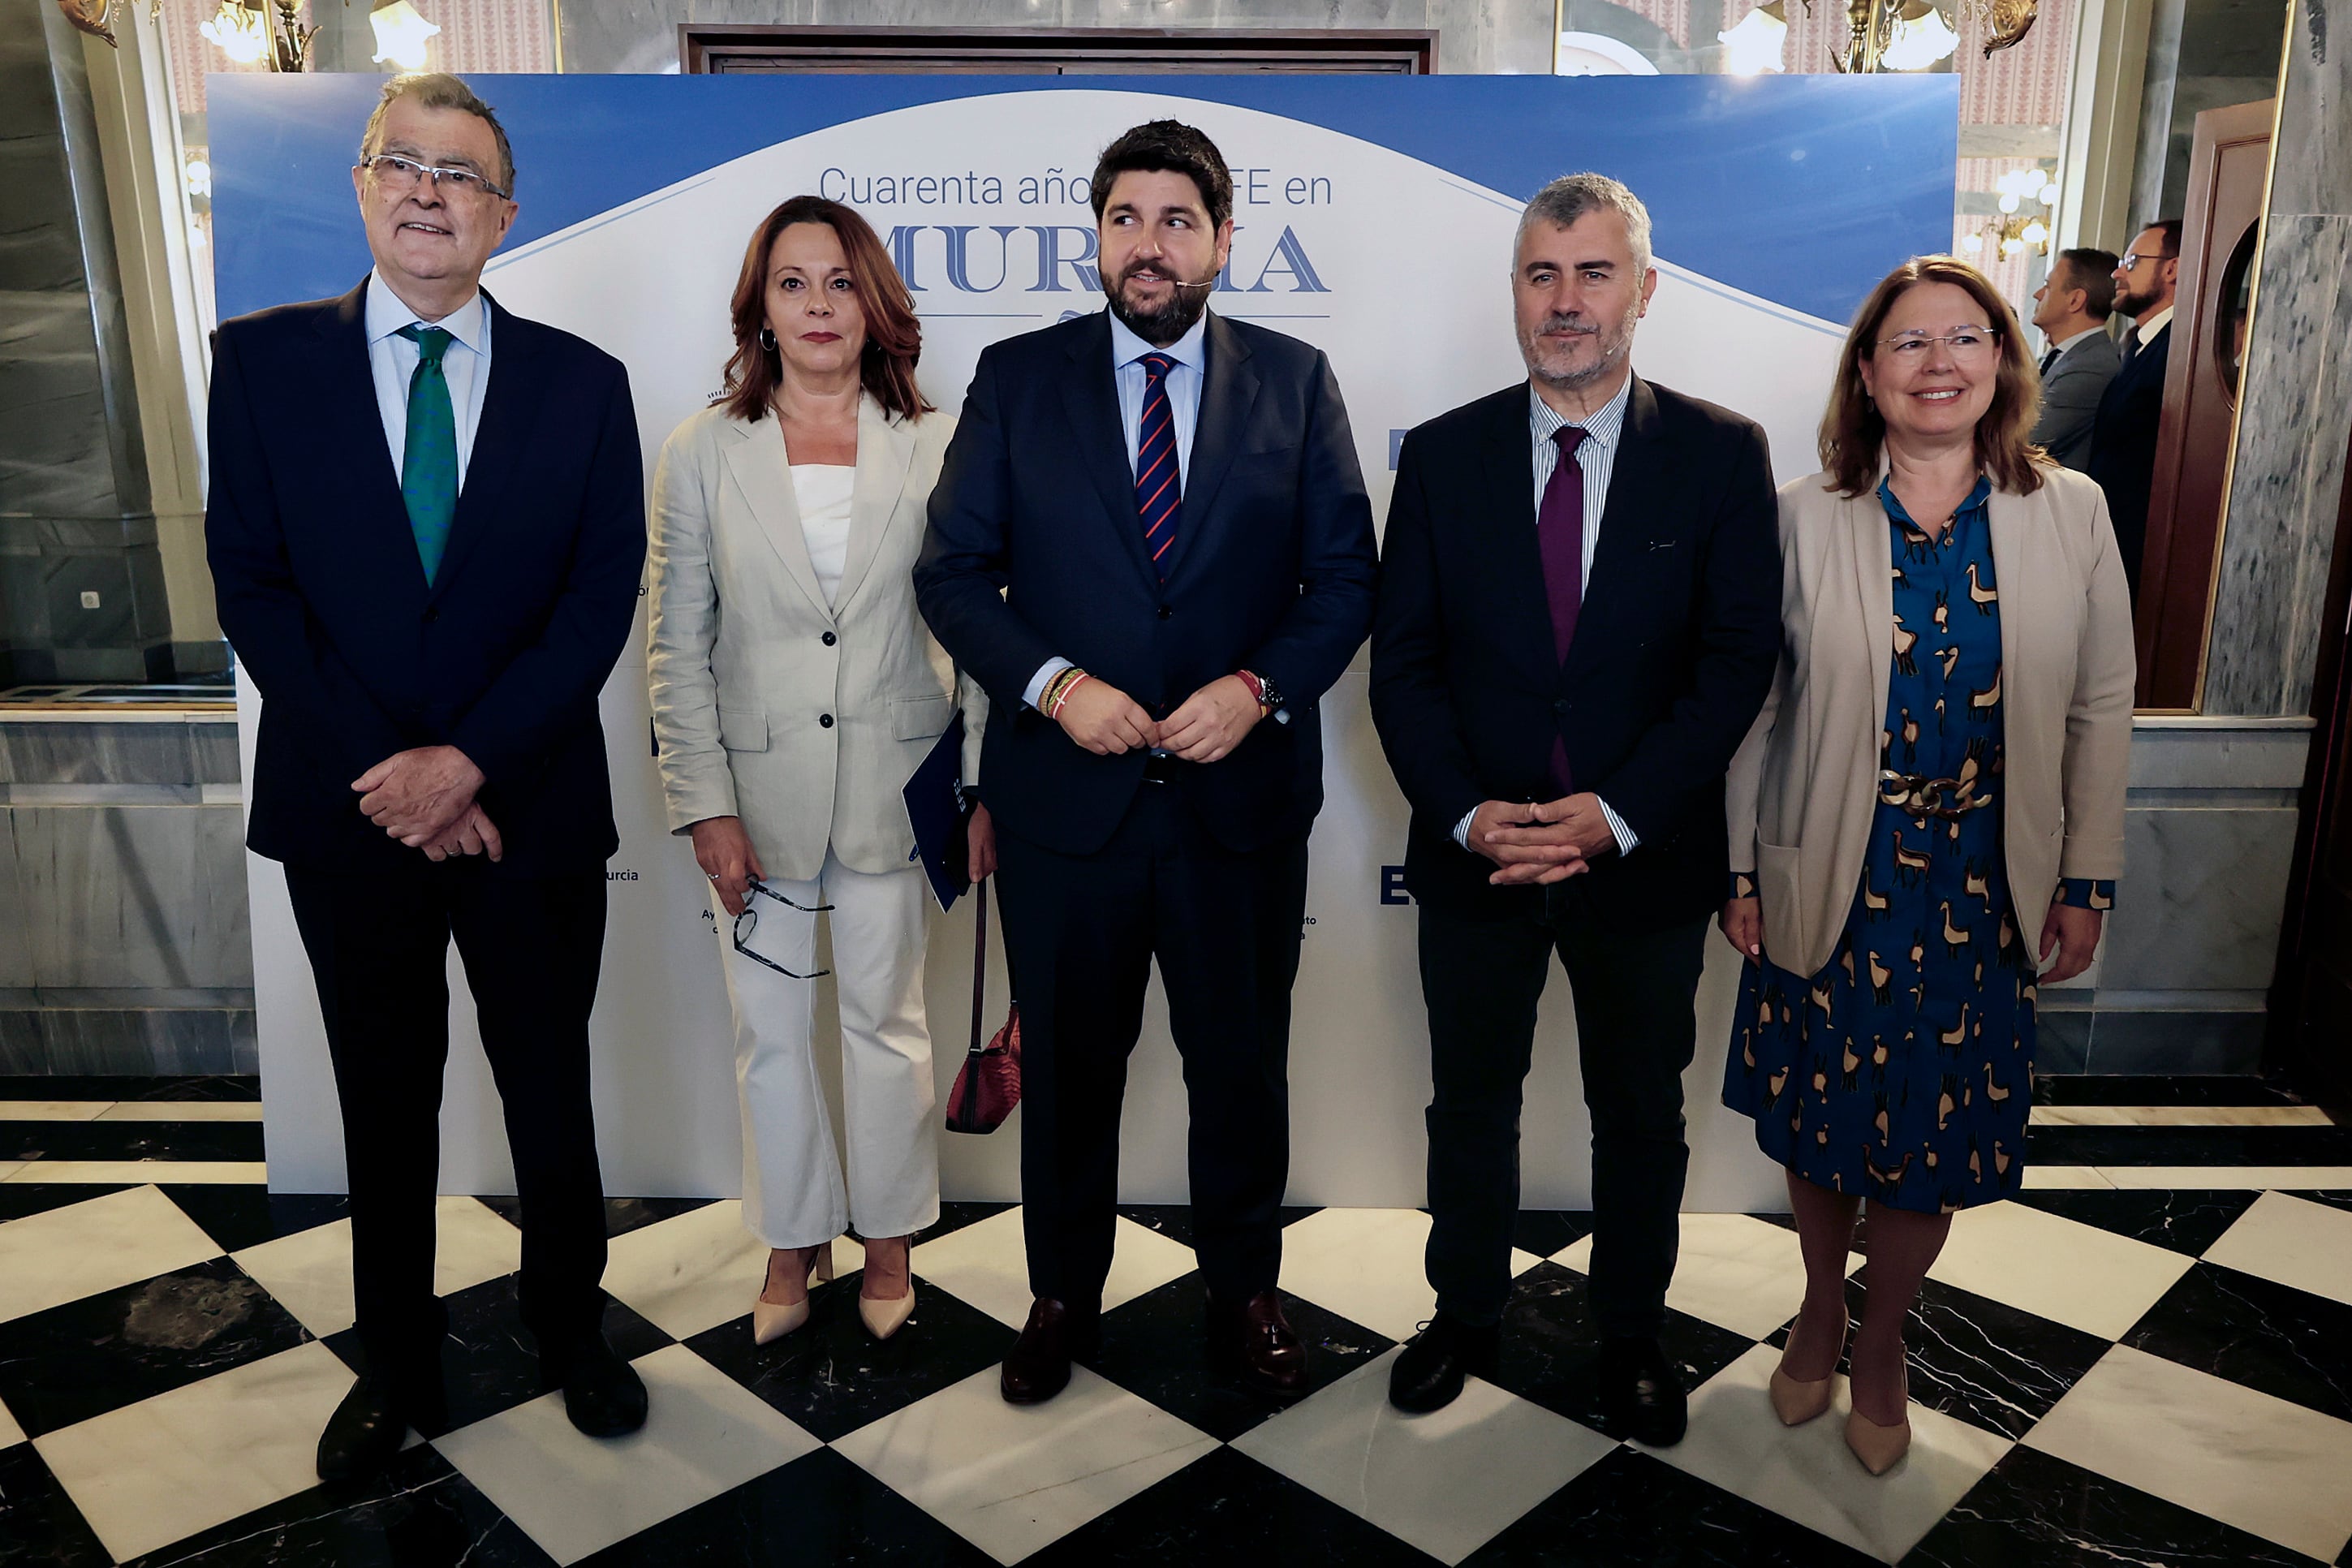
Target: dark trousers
[1635,1033]
[378,943]
[1082,932]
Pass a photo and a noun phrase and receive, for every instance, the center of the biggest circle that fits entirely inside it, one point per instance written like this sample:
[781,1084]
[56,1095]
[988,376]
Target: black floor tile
[954,1216]
[1174,1221]
[38,1522]
[622,1215]
[1156,1346]
[2189,1146]
[819,1509]
[1551,1346]
[1226,1508]
[239,1216]
[489,1362]
[1635,1509]
[420,1513]
[1991,1365]
[78,1086]
[2254,1332]
[118,1347]
[1546,1231]
[2034,1511]
[158,1140]
[832,1377]
[2170,1088]
[2342,1200]
[20,1200]
[2183,1221]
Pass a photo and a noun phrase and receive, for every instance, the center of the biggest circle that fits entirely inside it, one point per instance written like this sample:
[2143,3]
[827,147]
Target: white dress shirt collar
[1605,425]
[2153,325]
[1191,350]
[2085,335]
[387,313]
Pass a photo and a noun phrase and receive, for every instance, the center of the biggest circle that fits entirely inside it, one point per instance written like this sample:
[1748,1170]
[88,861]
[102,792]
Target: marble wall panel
[43,751]
[135,896]
[213,753]
[2184,1041]
[136,1040]
[21,1049]
[2201,901]
[16,916]
[2171,754]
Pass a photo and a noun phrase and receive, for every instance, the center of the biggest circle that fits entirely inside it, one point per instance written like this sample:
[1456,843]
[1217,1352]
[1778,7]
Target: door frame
[708,48]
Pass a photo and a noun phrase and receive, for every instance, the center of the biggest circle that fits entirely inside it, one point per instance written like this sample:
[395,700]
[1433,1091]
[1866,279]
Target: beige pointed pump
[772,1320]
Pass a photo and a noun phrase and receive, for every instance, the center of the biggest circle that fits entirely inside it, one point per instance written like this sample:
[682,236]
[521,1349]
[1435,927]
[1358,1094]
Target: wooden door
[2311,1004]
[2229,163]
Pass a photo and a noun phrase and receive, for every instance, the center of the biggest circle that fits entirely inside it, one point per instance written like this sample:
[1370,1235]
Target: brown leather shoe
[1039,1366]
[1255,1341]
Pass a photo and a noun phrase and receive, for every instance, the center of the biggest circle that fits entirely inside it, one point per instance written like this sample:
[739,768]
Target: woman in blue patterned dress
[1929,807]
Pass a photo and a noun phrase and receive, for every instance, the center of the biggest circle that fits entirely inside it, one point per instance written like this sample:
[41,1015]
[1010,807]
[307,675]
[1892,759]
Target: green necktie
[428,466]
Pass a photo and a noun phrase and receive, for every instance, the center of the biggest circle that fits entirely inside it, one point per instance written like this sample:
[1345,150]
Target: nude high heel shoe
[1880,1449]
[885,1316]
[772,1320]
[1796,1401]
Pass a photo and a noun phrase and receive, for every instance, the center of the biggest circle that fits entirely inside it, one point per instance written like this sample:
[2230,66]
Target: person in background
[1929,808]
[428,568]
[795,690]
[2070,308]
[1153,544]
[2122,435]
[1576,622]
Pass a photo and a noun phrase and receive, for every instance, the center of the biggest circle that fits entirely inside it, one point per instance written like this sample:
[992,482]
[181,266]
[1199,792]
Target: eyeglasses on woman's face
[1965,344]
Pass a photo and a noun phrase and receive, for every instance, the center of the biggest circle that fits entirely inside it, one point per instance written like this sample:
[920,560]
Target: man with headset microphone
[1151,544]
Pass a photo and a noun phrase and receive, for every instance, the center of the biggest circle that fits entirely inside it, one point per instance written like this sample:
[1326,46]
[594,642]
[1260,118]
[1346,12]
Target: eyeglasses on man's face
[747,925]
[2132,258]
[401,176]
[1965,342]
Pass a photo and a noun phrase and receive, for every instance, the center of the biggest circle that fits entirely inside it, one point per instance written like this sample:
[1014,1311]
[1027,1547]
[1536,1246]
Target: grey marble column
[2295,423]
[81,583]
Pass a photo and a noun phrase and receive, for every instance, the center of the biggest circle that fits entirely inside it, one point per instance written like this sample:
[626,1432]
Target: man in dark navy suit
[1151,544]
[1580,611]
[426,529]
[2131,411]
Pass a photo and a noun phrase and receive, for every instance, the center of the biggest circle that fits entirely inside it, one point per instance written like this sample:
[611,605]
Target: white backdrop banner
[1374,219]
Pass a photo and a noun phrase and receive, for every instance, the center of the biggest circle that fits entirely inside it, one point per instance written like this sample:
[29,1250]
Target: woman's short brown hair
[1853,433]
[894,334]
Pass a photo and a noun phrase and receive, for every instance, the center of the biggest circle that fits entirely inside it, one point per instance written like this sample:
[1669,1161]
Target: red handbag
[989,1085]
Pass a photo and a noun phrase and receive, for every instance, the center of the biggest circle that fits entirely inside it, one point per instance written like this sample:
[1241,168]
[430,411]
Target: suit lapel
[1867,537]
[1228,394]
[762,472]
[379,517]
[509,416]
[886,449]
[2006,517]
[1090,397]
[1509,515]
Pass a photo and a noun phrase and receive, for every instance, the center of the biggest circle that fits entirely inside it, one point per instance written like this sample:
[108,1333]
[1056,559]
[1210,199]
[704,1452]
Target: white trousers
[794,1194]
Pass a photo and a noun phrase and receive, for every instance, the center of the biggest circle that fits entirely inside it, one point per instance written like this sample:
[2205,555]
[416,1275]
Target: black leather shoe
[367,1429]
[1039,1366]
[1255,1342]
[602,1393]
[1641,1394]
[1429,1374]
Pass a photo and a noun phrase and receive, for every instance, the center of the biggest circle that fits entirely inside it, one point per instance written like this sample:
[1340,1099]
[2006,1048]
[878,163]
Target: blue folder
[935,811]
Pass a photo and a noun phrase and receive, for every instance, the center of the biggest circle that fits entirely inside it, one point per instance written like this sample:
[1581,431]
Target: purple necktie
[1158,494]
[1559,539]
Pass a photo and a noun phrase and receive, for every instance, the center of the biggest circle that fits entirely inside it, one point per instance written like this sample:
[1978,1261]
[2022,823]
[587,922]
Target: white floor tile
[2237,1178]
[2078,1275]
[1807,1474]
[309,1272]
[701,1270]
[2276,1470]
[704,1434]
[62,1255]
[10,1433]
[2294,1241]
[2179,1116]
[119,1173]
[1448,1481]
[9,1168]
[52,1109]
[1734,1270]
[986,1265]
[2065,1178]
[1012,1478]
[151,1473]
[1368,1266]
[181,1111]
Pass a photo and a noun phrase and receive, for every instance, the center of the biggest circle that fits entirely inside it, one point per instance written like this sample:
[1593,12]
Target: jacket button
[828,639]
[1165,612]
[824,720]
[431,614]
[1562,705]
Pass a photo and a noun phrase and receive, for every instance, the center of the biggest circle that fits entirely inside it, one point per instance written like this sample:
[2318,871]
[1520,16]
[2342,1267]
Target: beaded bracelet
[1079,679]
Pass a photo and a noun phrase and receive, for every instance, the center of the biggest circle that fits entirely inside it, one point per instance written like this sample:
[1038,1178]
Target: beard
[1614,345]
[2130,304]
[1164,325]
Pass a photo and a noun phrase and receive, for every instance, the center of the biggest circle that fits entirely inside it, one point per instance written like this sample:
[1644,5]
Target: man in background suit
[1151,544]
[427,558]
[2079,359]
[1579,618]
[2123,437]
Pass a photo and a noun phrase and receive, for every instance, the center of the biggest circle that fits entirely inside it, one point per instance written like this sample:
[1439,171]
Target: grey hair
[1571,196]
[437,90]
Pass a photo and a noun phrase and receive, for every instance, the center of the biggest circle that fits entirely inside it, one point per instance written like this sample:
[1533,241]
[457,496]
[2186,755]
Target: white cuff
[1037,682]
[1462,828]
[1626,842]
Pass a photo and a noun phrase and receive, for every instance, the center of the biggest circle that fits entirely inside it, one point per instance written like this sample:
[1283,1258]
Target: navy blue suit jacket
[322,595]
[1034,551]
[2123,446]
[1673,652]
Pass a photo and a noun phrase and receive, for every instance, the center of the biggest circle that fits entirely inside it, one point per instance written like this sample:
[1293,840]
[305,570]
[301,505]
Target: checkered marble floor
[2107,1372]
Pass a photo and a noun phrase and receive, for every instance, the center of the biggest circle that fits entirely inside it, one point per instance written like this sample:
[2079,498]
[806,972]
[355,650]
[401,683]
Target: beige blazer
[1802,792]
[805,720]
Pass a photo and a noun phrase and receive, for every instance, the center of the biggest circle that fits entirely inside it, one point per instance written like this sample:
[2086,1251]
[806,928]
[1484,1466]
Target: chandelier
[1881,35]
[2021,225]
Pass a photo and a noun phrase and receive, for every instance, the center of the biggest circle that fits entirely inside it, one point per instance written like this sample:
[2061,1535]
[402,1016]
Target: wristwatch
[1269,696]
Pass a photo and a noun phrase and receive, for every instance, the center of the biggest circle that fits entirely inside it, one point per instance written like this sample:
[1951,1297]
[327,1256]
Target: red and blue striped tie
[1159,486]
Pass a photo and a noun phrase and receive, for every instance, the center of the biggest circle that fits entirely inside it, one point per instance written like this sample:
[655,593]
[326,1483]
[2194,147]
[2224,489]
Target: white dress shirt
[392,361]
[1183,383]
[1597,457]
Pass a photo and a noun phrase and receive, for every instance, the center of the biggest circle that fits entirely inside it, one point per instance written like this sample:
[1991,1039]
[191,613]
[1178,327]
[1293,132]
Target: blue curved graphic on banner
[1801,190]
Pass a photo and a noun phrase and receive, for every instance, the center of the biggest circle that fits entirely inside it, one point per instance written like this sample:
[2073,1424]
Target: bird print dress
[1902,1071]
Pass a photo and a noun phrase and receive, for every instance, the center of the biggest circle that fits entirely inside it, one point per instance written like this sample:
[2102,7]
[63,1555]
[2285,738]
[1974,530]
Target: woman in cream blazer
[795,689]
[1929,805]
